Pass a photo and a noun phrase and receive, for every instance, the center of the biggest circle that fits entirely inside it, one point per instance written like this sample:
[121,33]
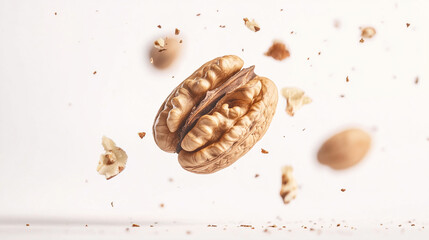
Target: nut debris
[295,99]
[252,25]
[289,187]
[135,225]
[408,25]
[278,51]
[343,189]
[368,32]
[142,135]
[113,161]
[159,44]
[264,151]
[177,31]
[344,149]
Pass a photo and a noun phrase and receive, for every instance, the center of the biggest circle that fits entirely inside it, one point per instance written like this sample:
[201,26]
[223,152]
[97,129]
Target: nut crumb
[176,31]
[295,99]
[281,10]
[151,225]
[127,229]
[135,225]
[151,60]
[95,72]
[113,161]
[111,203]
[252,25]
[412,225]
[256,175]
[142,134]
[343,189]
[338,225]
[347,79]
[264,151]
[342,95]
[417,80]
[368,32]
[222,26]
[211,225]
[180,41]
[289,187]
[188,232]
[170,179]
[245,225]
[407,23]
[27,225]
[160,44]
[278,51]
[266,230]
[319,53]
[55,13]
[361,40]
[161,205]
[159,26]
[198,14]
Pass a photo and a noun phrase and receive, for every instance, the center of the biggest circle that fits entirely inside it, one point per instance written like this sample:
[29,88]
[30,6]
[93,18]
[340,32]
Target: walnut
[216,115]
[344,149]
[278,51]
[113,161]
[252,25]
[368,32]
[295,99]
[164,52]
[289,186]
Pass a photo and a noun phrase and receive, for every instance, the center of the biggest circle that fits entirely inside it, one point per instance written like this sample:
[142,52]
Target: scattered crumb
[281,10]
[399,225]
[127,229]
[188,232]
[319,53]
[160,44]
[161,205]
[337,23]
[172,76]
[295,99]
[343,189]
[170,179]
[111,203]
[308,58]
[211,225]
[252,25]
[242,49]
[95,72]
[180,41]
[347,79]
[142,134]
[311,229]
[198,14]
[113,161]
[266,230]
[176,31]
[245,225]
[159,26]
[135,225]
[368,32]
[264,151]
[256,175]
[151,225]
[151,60]
[289,187]
[417,80]
[338,225]
[55,13]
[407,23]
[27,225]
[412,225]
[273,226]
[291,32]
[278,51]
[342,95]
[222,26]
[361,40]
[86,225]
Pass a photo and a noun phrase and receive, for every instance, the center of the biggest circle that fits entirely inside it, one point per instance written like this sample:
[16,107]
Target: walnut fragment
[252,25]
[278,51]
[113,161]
[164,52]
[368,32]
[159,44]
[289,187]
[295,99]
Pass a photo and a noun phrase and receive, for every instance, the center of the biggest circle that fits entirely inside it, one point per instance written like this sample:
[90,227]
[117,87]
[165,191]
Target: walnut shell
[216,115]
[344,149]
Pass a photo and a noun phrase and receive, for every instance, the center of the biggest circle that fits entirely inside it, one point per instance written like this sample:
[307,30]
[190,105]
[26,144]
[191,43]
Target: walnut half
[113,161]
[216,115]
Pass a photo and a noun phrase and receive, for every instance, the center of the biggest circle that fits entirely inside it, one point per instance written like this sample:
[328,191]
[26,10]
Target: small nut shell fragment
[289,187]
[368,32]
[252,25]
[295,99]
[113,161]
[345,149]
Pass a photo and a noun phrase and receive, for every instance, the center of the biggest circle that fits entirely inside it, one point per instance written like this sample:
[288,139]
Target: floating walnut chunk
[343,189]
[295,99]
[142,135]
[113,161]
[252,25]
[164,52]
[408,25]
[278,51]
[135,225]
[289,187]
[177,31]
[159,26]
[368,32]
[160,44]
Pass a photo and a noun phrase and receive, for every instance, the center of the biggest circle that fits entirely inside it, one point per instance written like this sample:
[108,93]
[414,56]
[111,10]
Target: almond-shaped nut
[344,149]
[216,115]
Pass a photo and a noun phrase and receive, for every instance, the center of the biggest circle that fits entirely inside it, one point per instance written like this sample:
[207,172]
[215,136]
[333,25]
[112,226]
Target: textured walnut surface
[237,109]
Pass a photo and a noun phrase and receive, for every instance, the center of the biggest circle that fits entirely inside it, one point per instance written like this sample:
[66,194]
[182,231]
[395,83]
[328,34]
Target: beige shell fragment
[251,24]
[289,187]
[295,98]
[113,161]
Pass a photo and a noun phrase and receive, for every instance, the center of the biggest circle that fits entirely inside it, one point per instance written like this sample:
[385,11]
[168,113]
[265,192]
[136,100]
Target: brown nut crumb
[344,149]
[368,32]
[417,80]
[264,151]
[135,225]
[338,225]
[211,225]
[159,26]
[160,44]
[113,161]
[245,225]
[222,26]
[176,32]
[278,51]
[95,72]
[252,25]
[188,232]
[406,24]
[289,187]
[55,13]
[343,189]
[198,14]
[111,203]
[347,79]
[27,225]
[361,40]
[256,175]
[295,99]
[142,134]
[161,205]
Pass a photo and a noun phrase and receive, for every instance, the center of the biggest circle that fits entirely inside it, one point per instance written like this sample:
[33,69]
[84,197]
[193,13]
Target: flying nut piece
[113,161]
[216,115]
[289,186]
[295,99]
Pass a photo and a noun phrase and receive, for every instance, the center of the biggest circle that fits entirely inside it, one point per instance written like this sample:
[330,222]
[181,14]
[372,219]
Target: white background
[54,111]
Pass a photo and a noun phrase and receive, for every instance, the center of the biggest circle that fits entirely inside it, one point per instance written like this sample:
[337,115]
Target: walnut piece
[344,149]
[216,115]
[159,43]
[164,52]
[368,32]
[295,99]
[113,161]
[278,51]
[289,187]
[252,25]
